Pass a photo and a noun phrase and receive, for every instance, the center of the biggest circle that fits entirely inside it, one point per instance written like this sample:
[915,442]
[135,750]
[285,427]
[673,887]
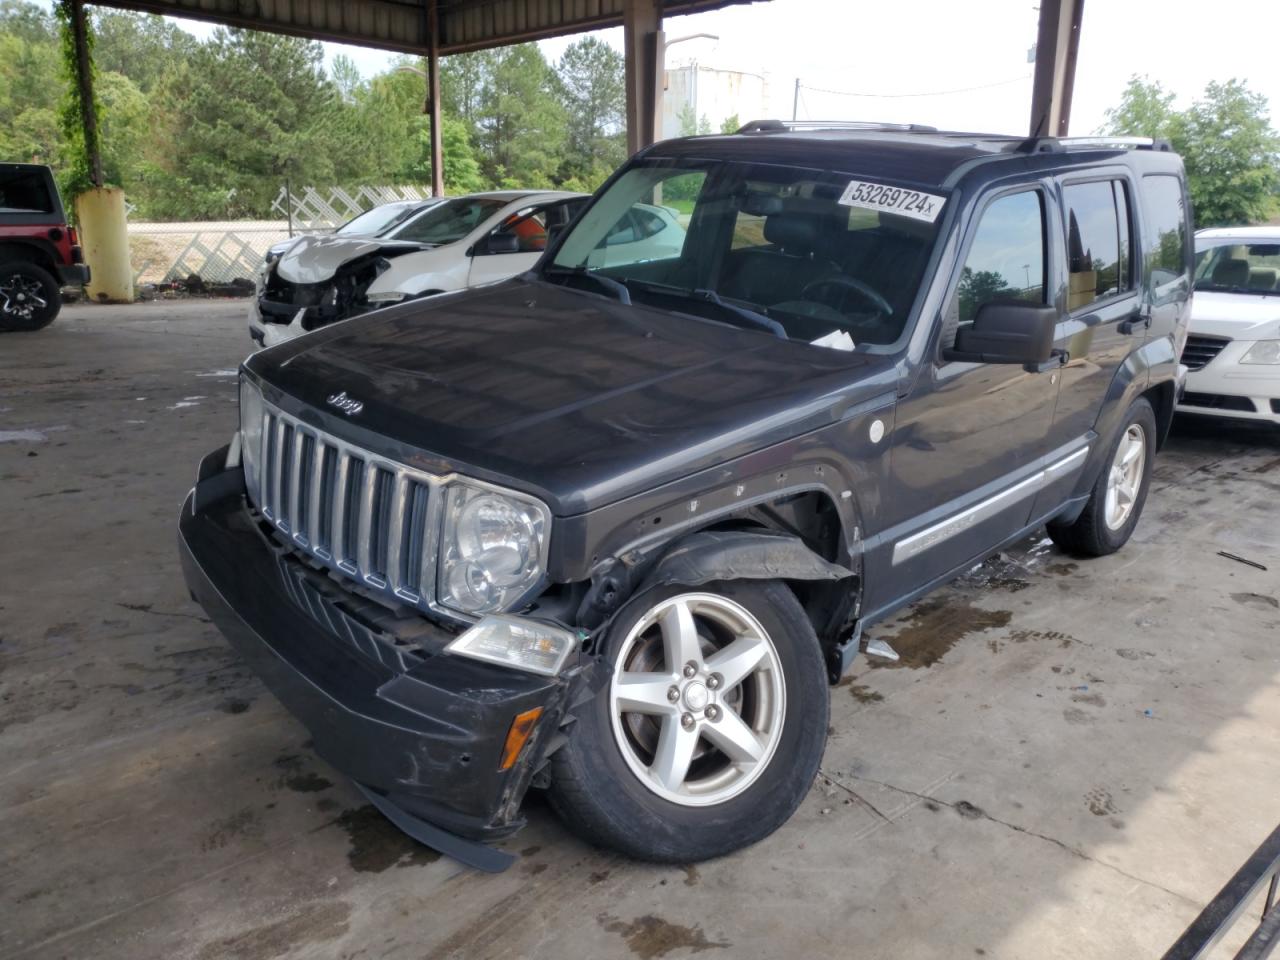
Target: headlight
[1264,351]
[250,435]
[493,547]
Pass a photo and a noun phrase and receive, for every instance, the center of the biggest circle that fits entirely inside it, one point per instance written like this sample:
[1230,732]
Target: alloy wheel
[1125,478]
[20,296]
[697,699]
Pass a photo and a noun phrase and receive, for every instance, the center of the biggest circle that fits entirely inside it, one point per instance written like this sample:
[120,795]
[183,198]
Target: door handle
[1140,319]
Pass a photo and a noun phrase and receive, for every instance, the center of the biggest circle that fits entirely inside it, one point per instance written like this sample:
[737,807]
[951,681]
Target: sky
[958,65]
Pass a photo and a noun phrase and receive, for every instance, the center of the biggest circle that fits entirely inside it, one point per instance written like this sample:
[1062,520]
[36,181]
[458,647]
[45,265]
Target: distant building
[699,99]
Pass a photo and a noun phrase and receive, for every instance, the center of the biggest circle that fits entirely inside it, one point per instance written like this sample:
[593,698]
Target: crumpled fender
[703,558]
[741,555]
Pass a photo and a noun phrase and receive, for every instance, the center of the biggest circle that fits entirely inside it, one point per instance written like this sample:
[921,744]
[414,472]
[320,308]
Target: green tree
[731,124]
[249,109]
[141,46]
[520,124]
[1231,151]
[690,123]
[591,77]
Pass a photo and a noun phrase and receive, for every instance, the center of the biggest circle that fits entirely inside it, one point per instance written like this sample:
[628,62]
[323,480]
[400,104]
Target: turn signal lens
[521,727]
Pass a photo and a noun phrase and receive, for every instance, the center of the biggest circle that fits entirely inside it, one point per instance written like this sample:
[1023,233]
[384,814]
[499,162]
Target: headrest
[1263,278]
[1231,273]
[759,204]
[793,232]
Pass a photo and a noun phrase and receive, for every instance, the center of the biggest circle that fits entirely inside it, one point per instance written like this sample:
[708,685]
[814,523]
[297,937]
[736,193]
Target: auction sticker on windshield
[899,200]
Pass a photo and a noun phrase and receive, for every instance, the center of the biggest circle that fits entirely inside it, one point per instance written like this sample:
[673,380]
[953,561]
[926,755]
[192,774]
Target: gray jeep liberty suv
[611,528]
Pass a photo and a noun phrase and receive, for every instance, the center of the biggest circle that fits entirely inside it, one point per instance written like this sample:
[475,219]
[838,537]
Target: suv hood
[316,259]
[574,397]
[1240,316]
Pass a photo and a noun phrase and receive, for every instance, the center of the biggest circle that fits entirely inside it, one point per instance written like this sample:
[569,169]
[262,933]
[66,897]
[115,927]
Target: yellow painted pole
[104,237]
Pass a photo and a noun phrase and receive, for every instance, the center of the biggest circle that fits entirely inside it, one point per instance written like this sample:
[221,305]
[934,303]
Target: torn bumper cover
[420,731]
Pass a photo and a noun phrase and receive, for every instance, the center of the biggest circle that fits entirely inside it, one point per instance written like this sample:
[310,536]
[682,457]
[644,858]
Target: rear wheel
[29,297]
[711,729]
[1120,492]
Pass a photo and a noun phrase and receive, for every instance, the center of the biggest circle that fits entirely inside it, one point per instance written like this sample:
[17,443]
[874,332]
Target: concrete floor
[1071,759]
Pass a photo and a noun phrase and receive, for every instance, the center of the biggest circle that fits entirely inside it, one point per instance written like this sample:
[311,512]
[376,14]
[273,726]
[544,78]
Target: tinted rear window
[25,191]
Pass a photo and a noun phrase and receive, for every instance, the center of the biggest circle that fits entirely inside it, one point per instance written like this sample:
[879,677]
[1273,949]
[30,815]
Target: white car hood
[1240,316]
[313,259]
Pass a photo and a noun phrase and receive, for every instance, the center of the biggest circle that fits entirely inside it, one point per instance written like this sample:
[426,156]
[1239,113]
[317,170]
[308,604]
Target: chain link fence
[233,251]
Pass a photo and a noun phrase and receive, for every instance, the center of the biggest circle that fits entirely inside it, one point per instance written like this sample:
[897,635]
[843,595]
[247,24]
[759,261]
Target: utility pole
[795,101]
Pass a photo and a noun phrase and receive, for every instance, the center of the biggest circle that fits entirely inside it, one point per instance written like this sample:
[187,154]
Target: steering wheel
[850,283]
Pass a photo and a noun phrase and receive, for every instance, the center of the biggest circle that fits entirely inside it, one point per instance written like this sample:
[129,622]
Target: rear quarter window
[25,191]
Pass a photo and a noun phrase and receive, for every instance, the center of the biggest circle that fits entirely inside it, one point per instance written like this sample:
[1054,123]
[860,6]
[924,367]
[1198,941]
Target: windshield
[373,223]
[1236,266]
[809,254]
[449,221]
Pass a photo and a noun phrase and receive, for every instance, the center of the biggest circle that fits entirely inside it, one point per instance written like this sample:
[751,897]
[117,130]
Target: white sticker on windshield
[899,200]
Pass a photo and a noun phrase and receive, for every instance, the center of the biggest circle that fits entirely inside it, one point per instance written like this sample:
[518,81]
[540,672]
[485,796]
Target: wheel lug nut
[686,721]
[690,669]
[714,681]
[673,693]
[713,713]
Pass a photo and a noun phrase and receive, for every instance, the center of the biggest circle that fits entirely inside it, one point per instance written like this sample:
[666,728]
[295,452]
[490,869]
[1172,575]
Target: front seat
[780,271]
[1231,273]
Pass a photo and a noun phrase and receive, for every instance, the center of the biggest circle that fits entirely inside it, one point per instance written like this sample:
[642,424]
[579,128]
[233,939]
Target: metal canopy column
[433,98]
[84,83]
[1056,47]
[642,41]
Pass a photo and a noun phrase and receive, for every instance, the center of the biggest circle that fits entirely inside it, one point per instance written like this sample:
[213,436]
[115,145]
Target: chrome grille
[367,517]
[1200,350]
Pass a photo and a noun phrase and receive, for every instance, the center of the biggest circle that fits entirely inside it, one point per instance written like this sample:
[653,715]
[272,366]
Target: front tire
[1120,492]
[29,297]
[710,731]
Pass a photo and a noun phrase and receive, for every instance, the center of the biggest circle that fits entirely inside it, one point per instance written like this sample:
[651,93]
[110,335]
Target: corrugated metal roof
[401,25]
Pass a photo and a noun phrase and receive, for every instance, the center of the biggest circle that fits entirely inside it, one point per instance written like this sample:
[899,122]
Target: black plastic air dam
[427,741]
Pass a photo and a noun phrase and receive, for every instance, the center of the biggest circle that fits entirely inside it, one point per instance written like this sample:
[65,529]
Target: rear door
[531,227]
[1104,309]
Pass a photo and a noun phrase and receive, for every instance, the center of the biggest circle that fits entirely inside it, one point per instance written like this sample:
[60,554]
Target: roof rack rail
[1057,144]
[779,126]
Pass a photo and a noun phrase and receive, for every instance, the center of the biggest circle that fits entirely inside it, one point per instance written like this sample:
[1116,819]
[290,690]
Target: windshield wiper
[619,290]
[754,319]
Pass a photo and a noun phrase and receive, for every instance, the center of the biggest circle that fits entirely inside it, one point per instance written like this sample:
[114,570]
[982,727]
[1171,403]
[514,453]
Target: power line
[931,93]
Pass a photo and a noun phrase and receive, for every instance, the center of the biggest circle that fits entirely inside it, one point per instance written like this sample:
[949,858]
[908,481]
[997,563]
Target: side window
[1006,259]
[1097,241]
[1166,228]
[23,190]
[529,227]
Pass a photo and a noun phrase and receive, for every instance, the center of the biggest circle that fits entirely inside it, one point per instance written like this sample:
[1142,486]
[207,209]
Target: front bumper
[421,731]
[267,332]
[1224,387]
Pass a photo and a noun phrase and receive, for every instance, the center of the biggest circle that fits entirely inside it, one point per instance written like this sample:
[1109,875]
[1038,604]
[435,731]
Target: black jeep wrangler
[611,528]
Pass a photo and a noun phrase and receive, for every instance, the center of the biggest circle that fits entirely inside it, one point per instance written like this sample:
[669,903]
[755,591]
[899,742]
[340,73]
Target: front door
[494,259]
[969,438]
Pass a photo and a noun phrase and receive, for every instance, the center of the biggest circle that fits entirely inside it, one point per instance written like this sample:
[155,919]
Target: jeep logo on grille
[346,404]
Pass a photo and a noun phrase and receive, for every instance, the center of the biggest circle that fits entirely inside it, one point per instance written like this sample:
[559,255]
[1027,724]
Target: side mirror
[1008,331]
[502,243]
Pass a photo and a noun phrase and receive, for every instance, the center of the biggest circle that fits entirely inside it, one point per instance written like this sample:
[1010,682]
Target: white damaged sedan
[457,243]
[1233,350]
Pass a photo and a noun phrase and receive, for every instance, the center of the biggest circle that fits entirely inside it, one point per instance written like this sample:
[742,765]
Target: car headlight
[493,547]
[1264,351]
[250,435]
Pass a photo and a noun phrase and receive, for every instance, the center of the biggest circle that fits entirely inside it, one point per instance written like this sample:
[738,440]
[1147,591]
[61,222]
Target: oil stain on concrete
[377,845]
[936,625]
[650,937]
